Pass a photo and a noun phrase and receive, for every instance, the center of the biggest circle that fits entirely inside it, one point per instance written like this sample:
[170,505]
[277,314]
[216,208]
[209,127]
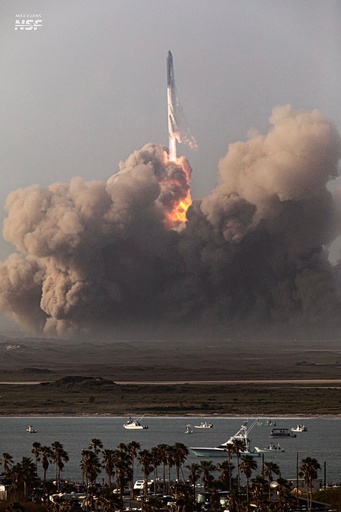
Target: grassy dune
[314,367]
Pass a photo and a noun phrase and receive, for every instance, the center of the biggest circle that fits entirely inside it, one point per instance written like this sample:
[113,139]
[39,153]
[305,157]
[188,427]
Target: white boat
[204,424]
[271,448]
[222,449]
[266,423]
[134,424]
[299,428]
[189,429]
[31,430]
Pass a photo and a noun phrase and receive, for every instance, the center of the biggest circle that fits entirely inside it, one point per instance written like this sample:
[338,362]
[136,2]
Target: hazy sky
[82,92]
[88,88]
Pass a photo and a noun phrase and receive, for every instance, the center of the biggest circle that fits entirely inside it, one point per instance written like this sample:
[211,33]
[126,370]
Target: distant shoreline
[198,382]
[183,415]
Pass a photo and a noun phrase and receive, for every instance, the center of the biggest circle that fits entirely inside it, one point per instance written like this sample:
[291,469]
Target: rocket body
[173,130]
[177,124]
[170,69]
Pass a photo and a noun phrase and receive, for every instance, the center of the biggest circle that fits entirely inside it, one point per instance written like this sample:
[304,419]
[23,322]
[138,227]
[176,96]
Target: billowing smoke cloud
[105,255]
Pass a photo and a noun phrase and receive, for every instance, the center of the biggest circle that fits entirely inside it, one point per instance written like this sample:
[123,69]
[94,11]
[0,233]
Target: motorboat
[222,449]
[188,429]
[271,448]
[266,423]
[204,424]
[299,428]
[31,430]
[134,424]
[281,432]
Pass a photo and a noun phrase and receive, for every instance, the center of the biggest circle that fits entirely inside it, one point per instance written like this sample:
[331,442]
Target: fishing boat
[31,430]
[299,428]
[134,424]
[188,429]
[271,448]
[204,424]
[222,450]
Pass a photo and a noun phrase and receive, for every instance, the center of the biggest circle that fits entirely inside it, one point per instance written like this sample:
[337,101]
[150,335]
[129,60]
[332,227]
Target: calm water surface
[322,441]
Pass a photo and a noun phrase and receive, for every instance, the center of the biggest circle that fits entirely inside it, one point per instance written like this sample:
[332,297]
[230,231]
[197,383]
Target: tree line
[164,464]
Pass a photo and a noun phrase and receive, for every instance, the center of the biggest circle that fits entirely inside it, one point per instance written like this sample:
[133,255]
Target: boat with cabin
[299,428]
[134,424]
[204,424]
[31,430]
[281,432]
[188,429]
[222,450]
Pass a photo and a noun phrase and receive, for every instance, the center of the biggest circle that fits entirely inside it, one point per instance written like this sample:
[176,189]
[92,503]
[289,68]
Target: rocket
[177,125]
[173,130]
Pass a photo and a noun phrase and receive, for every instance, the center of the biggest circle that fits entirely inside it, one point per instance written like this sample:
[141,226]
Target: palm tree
[17,477]
[170,461]
[133,448]
[108,464]
[230,448]
[238,446]
[96,445]
[23,476]
[29,475]
[91,468]
[122,447]
[36,452]
[226,469]
[59,456]
[234,503]
[122,464]
[155,461]
[259,494]
[206,467]
[286,501]
[180,454]
[248,465]
[46,458]
[270,468]
[183,495]
[193,476]
[309,470]
[145,459]
[163,454]
[7,462]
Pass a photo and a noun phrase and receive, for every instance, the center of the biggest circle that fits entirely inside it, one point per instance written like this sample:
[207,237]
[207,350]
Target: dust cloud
[94,256]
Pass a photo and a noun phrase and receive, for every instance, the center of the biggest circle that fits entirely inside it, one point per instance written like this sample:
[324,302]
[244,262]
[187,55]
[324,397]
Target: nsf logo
[28,22]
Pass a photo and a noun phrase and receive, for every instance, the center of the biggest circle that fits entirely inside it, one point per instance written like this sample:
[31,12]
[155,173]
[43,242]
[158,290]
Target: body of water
[321,441]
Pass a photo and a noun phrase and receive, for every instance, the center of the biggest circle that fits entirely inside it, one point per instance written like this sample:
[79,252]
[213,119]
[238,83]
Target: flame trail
[179,181]
[172,148]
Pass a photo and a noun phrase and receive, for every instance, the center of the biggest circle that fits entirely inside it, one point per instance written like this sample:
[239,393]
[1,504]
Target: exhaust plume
[251,255]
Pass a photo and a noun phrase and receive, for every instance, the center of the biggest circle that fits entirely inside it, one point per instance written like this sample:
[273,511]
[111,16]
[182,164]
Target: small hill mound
[81,384]
[36,371]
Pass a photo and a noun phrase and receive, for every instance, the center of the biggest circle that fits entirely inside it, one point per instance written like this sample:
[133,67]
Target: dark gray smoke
[251,257]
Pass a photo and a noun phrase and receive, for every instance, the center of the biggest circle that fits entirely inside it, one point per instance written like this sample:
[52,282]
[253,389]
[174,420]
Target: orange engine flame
[175,217]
